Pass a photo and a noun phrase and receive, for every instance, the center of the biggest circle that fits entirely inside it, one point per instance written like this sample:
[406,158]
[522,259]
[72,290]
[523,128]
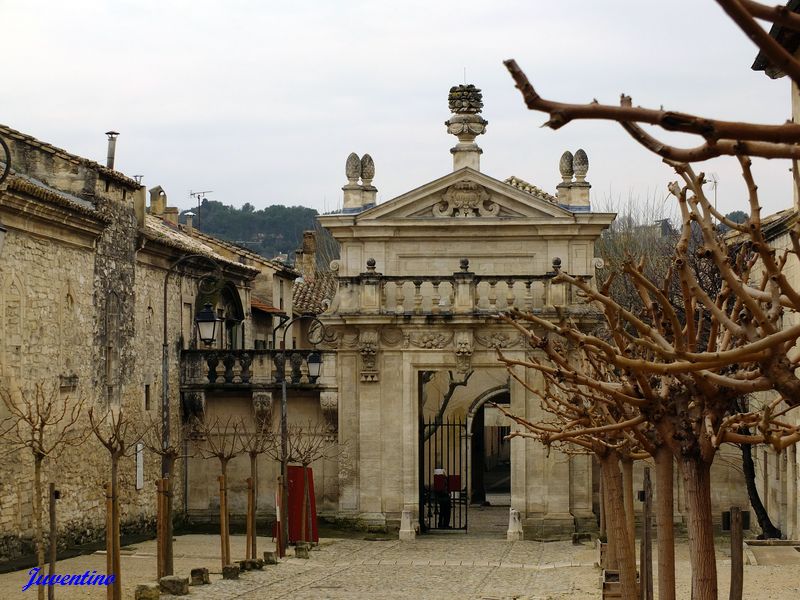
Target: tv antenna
[200,196]
[714,181]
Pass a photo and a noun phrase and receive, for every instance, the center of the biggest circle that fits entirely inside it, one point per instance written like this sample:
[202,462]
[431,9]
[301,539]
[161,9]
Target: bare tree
[150,431]
[262,439]
[44,424]
[116,432]
[682,368]
[223,440]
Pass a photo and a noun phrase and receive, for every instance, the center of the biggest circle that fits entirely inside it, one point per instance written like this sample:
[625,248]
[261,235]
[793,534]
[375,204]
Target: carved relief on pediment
[466,199]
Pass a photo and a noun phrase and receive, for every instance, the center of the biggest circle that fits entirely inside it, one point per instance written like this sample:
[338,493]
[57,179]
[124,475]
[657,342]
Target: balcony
[240,369]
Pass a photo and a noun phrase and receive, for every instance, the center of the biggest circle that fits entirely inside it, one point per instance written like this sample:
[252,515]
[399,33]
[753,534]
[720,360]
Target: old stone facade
[420,281]
[82,268]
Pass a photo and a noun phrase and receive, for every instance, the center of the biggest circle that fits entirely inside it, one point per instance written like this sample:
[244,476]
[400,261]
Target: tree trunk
[254,477]
[37,518]
[769,531]
[116,565]
[612,562]
[697,478]
[225,532]
[168,558]
[665,524]
[627,489]
[51,592]
[617,525]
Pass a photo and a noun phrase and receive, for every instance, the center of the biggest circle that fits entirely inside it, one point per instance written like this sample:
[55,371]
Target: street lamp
[207,284]
[314,363]
[206,321]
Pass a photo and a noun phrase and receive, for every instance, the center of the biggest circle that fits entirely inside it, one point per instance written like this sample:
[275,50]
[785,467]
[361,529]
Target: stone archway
[486,457]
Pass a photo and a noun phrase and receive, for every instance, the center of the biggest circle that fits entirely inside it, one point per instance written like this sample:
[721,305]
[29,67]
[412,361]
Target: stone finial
[556,264]
[565,166]
[581,165]
[466,103]
[369,192]
[464,264]
[367,169]
[465,99]
[352,168]
[371,265]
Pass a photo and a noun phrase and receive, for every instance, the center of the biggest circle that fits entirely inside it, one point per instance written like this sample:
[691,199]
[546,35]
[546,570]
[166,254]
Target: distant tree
[268,231]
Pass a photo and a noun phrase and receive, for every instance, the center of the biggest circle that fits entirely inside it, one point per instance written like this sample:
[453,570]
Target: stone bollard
[407,531]
[147,591]
[230,572]
[514,532]
[257,564]
[172,584]
[301,551]
[199,577]
[270,558]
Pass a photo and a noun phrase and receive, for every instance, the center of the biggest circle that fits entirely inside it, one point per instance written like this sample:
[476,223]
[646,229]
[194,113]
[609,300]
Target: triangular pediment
[465,194]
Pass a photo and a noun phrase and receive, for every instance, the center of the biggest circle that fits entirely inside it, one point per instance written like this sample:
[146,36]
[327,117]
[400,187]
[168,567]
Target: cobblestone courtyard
[432,567]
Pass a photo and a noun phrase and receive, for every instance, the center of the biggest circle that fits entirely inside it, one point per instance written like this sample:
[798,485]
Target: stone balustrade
[244,367]
[462,293]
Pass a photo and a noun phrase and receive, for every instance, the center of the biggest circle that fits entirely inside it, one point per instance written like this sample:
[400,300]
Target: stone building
[82,307]
[778,474]
[420,280]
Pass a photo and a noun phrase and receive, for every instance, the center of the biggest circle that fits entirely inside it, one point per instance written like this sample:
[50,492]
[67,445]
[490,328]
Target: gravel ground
[432,567]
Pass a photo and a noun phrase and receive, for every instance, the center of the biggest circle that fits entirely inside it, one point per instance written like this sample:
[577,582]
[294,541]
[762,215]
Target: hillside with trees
[269,231]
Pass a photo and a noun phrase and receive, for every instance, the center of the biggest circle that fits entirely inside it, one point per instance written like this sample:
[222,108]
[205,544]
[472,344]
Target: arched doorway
[490,452]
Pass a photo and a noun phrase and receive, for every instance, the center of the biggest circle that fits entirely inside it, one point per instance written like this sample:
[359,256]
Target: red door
[295,476]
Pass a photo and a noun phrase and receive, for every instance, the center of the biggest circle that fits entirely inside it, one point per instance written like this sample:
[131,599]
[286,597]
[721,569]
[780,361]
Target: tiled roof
[263,306]
[33,187]
[523,185]
[314,295]
[73,158]
[241,250]
[163,232]
[772,226]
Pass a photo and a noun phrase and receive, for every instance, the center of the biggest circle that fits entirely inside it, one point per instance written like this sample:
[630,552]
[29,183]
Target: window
[147,396]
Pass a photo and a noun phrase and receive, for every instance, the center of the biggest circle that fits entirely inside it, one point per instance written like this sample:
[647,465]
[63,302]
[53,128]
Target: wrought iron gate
[444,464]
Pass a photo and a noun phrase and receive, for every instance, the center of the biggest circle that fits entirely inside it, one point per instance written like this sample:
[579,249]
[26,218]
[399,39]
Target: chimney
[352,189]
[309,262]
[466,103]
[139,200]
[171,215]
[189,216]
[158,200]
[112,148]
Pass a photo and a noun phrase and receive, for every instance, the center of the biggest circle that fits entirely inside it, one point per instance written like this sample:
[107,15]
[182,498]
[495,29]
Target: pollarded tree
[221,439]
[43,423]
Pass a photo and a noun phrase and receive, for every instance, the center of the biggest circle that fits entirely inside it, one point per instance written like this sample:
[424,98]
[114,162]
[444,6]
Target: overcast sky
[262,101]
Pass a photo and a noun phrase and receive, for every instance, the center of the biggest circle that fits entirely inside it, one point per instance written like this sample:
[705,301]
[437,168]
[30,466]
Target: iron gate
[443,474]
